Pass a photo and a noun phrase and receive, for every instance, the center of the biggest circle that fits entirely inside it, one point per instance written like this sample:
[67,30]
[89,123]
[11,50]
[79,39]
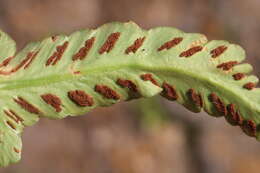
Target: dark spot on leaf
[169,92]
[56,56]
[170,44]
[249,127]
[10,124]
[83,52]
[80,98]
[195,97]
[127,84]
[14,116]
[16,150]
[76,72]
[149,77]
[218,103]
[227,65]
[54,38]
[18,118]
[249,85]
[134,47]
[238,76]
[52,100]
[25,62]
[218,51]
[27,106]
[233,116]
[107,92]
[133,91]
[32,55]
[110,43]
[191,51]
[6,61]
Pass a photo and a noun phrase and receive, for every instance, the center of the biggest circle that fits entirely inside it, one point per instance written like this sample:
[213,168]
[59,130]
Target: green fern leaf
[71,75]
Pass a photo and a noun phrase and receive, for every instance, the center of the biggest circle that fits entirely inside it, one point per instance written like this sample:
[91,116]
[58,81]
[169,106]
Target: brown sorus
[81,98]
[249,85]
[238,76]
[249,127]
[56,56]
[170,44]
[135,46]
[13,116]
[196,98]
[149,77]
[218,51]
[16,116]
[76,72]
[127,84]
[218,103]
[6,61]
[227,65]
[27,106]
[10,116]
[51,59]
[110,43]
[22,63]
[191,51]
[10,124]
[52,100]
[16,150]
[29,58]
[107,92]
[233,117]
[60,50]
[83,52]
[54,38]
[32,55]
[169,92]
[5,72]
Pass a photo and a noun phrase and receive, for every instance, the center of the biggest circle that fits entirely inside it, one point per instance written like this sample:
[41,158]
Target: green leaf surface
[71,75]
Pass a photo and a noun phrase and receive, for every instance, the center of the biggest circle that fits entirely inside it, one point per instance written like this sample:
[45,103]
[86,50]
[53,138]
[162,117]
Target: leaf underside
[71,75]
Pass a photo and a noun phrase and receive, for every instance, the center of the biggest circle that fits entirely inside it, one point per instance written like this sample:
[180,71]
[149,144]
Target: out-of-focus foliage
[152,113]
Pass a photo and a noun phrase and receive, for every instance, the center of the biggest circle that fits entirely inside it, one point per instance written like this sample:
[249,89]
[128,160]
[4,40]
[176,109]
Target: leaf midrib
[12,85]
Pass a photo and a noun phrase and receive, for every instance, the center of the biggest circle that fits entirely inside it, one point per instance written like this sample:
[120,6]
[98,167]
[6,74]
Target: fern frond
[71,75]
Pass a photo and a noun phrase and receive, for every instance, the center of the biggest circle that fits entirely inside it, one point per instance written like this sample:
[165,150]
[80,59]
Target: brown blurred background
[145,136]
